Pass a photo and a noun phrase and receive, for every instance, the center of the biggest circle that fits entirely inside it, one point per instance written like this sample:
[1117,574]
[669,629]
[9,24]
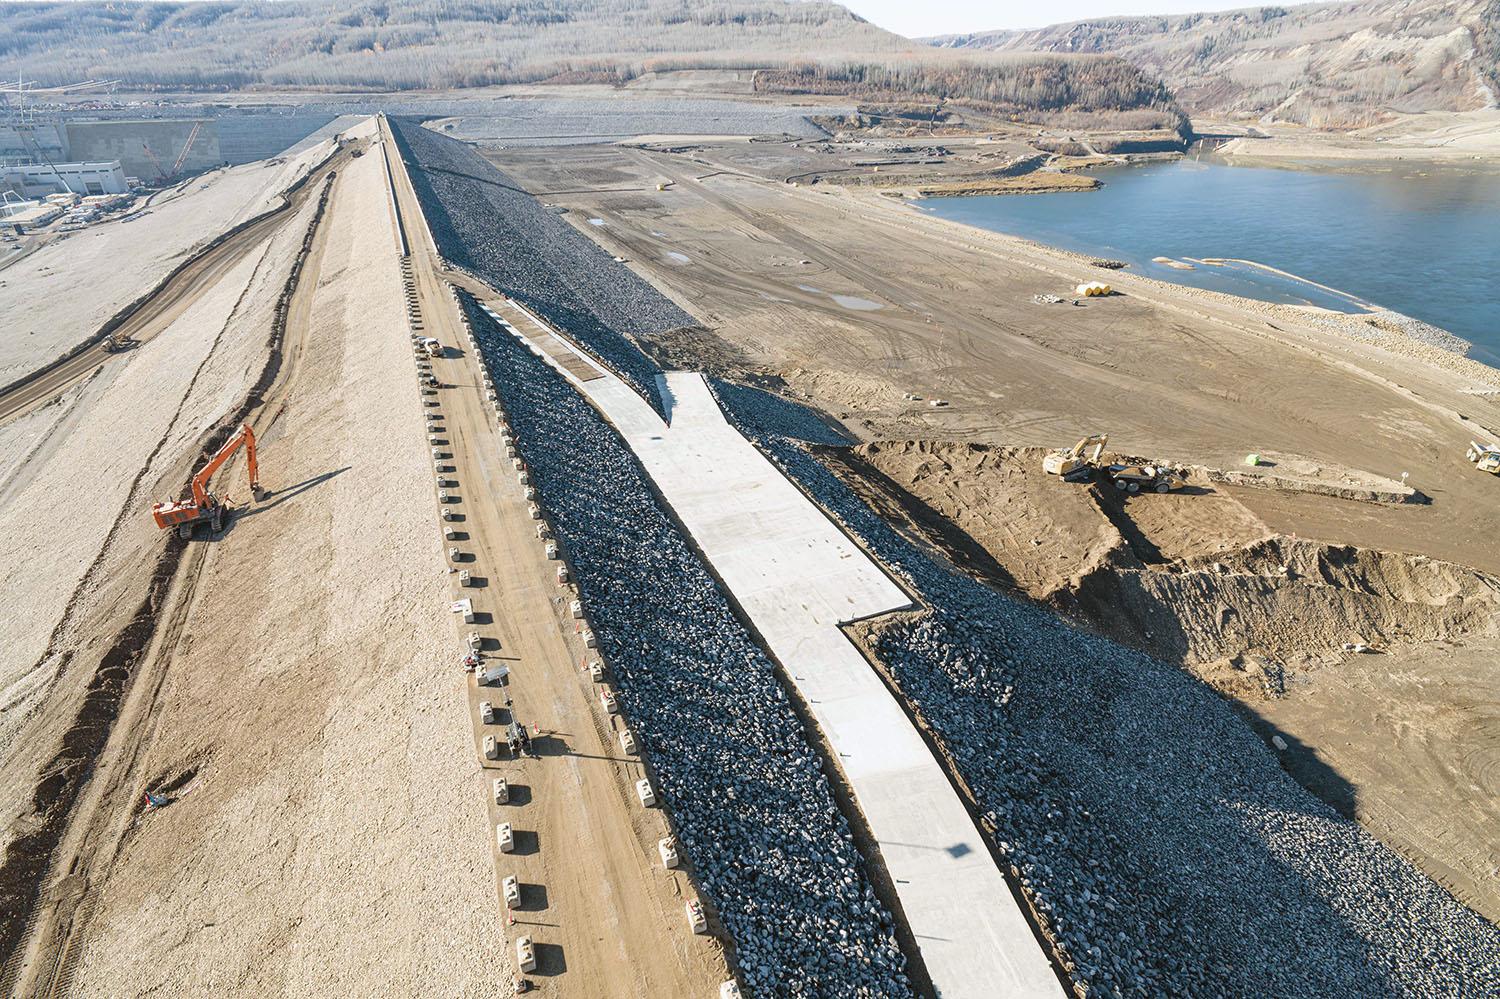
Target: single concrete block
[696,917]
[729,990]
[645,792]
[449,514]
[535,511]
[511,887]
[464,579]
[474,641]
[668,851]
[505,837]
[525,954]
[596,671]
[607,699]
[486,714]
[551,549]
[576,609]
[589,640]
[502,791]
[562,575]
[449,533]
[491,748]
[627,741]
[464,607]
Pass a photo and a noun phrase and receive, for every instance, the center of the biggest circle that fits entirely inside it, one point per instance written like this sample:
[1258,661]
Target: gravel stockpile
[750,803]
[1168,849]
[485,223]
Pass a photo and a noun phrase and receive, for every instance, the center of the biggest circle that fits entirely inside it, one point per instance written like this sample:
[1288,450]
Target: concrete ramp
[797,577]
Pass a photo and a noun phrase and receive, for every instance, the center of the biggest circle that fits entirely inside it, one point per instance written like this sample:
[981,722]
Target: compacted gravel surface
[753,811]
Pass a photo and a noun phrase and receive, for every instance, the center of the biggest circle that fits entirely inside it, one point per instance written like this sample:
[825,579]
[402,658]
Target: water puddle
[857,304]
[680,259]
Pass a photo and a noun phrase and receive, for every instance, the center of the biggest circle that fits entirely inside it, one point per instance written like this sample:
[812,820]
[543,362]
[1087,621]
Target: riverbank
[1310,239]
[1467,140]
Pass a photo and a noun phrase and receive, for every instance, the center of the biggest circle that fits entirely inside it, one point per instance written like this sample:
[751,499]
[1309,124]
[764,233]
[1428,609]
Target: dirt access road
[606,918]
[160,309]
[107,807]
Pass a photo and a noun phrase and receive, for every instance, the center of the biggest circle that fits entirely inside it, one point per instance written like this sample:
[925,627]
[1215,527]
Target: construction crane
[182,156]
[204,506]
[160,173]
[1071,464]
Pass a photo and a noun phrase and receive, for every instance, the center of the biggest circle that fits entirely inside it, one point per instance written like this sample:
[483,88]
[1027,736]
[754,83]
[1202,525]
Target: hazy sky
[915,18]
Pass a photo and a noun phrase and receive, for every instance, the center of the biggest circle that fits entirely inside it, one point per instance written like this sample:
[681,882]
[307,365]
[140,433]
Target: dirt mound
[1022,530]
[1369,670]
[1283,599]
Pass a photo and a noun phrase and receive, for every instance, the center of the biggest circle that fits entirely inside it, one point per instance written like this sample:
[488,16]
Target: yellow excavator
[1079,461]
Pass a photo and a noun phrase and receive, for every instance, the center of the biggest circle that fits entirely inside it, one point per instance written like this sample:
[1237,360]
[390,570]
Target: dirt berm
[1370,666]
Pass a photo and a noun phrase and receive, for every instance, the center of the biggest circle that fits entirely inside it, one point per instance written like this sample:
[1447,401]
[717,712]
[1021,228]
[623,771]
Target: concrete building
[26,218]
[39,180]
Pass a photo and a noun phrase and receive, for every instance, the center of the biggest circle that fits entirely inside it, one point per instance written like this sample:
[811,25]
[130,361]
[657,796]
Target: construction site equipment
[186,146]
[1486,457]
[117,342]
[493,675]
[1134,478]
[432,347]
[204,506]
[1079,461]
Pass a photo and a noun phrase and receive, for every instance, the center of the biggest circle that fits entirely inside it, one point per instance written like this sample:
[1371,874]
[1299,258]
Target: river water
[1424,243]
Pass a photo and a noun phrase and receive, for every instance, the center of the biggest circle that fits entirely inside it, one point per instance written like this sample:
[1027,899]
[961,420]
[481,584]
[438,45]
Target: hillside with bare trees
[1342,65]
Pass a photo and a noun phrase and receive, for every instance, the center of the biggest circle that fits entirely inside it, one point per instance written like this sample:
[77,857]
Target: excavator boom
[204,505]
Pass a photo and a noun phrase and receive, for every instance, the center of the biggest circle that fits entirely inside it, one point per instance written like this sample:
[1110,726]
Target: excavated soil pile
[1370,667]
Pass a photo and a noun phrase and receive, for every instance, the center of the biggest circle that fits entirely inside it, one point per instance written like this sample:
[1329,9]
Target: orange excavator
[205,507]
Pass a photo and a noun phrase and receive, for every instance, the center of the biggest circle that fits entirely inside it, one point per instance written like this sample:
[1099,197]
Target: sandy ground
[849,301]
[1406,739]
[41,308]
[1447,137]
[854,299]
[330,840]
